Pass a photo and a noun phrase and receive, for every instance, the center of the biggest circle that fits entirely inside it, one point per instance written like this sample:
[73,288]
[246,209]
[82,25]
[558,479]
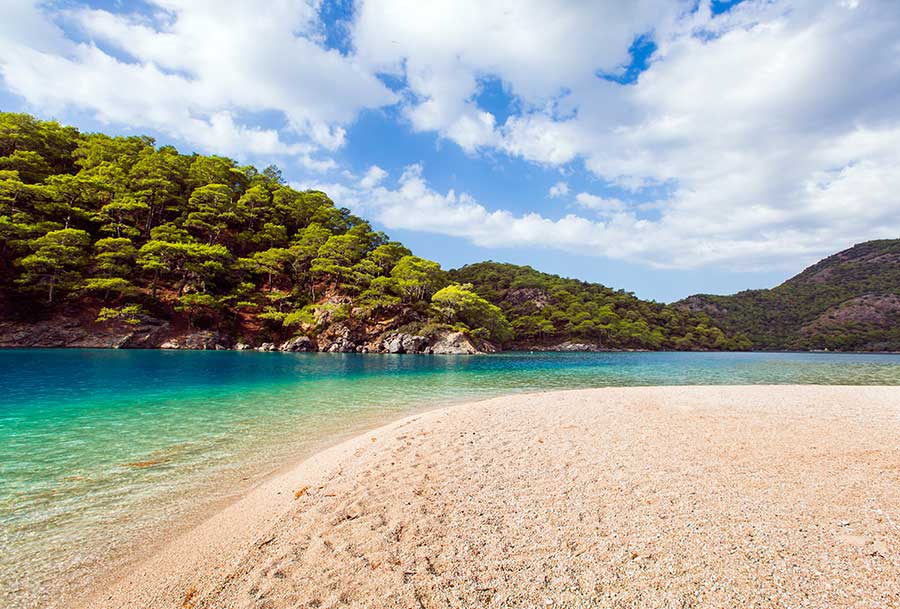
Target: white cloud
[315,165]
[773,127]
[415,205]
[560,189]
[538,48]
[373,177]
[598,204]
[191,69]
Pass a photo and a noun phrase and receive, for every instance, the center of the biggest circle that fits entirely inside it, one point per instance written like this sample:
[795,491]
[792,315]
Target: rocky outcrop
[297,344]
[569,346]
[442,342]
[454,343]
[867,310]
[339,338]
[533,298]
[152,333]
[199,341]
[403,343]
[75,333]
[700,303]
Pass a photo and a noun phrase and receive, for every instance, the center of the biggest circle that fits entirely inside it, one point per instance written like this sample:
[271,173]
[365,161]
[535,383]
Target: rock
[415,344]
[453,343]
[266,347]
[242,347]
[404,343]
[394,344]
[297,344]
[342,345]
[339,338]
[62,331]
[532,298]
[198,341]
[571,346]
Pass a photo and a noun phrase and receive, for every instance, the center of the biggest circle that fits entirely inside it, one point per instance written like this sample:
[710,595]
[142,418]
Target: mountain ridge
[849,301]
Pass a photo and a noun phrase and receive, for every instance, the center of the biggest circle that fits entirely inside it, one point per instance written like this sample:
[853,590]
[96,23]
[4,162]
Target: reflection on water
[97,446]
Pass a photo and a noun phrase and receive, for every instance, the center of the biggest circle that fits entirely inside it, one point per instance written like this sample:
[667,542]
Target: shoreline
[270,490]
[211,558]
[497,352]
[143,547]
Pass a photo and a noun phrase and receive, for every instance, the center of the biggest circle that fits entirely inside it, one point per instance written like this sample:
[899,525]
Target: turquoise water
[101,449]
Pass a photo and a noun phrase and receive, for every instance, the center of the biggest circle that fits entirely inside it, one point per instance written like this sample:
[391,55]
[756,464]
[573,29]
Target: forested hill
[548,311]
[848,301]
[114,242]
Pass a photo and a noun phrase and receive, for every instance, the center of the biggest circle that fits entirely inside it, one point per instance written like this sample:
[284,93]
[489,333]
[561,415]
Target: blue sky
[663,147]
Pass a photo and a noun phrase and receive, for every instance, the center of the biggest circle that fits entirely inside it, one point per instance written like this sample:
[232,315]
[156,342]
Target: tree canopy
[123,228]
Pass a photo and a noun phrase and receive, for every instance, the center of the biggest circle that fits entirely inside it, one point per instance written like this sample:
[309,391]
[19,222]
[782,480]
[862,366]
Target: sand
[634,497]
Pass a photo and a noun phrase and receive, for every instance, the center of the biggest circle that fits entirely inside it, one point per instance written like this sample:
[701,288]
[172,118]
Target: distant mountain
[554,313]
[849,301]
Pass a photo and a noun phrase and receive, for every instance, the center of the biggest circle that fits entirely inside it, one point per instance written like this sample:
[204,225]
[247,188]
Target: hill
[849,301]
[551,312]
[115,242]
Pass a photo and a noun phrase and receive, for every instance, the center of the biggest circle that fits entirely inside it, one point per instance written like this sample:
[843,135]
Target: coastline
[141,548]
[261,504]
[219,560]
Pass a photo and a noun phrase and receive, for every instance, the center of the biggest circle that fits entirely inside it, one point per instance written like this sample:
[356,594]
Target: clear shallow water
[98,448]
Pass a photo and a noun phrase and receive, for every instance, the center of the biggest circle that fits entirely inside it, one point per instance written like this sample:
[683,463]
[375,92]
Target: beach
[759,496]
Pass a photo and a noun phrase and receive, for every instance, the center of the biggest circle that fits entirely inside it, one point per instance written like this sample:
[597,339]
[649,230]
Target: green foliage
[114,257]
[130,314]
[458,304]
[546,309]
[416,278]
[304,316]
[109,285]
[118,222]
[195,304]
[56,263]
[843,302]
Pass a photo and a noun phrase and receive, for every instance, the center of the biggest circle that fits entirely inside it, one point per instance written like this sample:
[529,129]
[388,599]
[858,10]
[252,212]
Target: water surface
[100,449]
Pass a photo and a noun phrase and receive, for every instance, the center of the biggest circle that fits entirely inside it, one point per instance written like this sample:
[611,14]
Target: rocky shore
[153,333]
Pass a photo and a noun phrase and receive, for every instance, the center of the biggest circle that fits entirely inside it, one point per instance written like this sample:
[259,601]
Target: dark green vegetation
[115,230]
[547,310]
[849,301]
[119,227]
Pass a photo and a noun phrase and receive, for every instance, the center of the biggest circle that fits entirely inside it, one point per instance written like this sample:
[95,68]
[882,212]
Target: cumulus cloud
[560,189]
[373,177]
[193,69]
[413,204]
[597,203]
[536,47]
[773,127]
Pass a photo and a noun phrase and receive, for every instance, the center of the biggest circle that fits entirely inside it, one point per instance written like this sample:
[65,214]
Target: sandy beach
[762,496]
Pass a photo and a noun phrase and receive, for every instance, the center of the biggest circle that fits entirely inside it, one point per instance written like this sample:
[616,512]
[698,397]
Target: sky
[664,147]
